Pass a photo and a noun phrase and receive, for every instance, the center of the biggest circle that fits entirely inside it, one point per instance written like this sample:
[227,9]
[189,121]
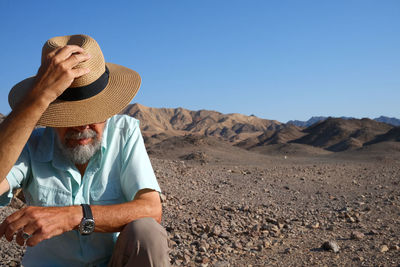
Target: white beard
[80,154]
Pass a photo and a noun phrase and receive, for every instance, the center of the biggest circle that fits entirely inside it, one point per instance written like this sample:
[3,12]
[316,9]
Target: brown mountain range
[161,123]
[252,133]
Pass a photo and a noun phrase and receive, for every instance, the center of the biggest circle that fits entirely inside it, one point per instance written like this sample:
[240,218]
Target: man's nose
[80,128]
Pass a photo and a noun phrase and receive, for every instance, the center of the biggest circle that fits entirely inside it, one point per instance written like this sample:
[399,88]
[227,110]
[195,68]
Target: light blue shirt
[114,175]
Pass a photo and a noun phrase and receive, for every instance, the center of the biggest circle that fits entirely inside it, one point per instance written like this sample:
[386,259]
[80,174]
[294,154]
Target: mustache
[88,133]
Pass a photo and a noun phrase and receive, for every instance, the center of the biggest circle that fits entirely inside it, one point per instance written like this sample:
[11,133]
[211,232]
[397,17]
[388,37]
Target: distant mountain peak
[388,120]
[315,119]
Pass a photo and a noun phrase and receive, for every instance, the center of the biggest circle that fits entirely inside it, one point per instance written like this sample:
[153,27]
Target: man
[86,176]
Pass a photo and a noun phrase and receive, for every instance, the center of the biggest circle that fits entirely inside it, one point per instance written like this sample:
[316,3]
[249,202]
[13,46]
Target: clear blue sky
[278,60]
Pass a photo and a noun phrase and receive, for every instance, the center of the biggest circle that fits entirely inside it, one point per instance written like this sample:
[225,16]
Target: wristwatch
[87,224]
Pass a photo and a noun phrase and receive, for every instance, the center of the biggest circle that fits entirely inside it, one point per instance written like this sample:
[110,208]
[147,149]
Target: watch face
[86,226]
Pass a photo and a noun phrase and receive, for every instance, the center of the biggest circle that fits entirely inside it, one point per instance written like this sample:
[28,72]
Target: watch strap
[87,211]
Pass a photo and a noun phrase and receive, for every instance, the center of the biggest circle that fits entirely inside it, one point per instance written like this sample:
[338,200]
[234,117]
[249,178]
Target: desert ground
[226,206]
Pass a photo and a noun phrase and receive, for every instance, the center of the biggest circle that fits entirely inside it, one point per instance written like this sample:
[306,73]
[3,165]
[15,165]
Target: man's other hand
[40,223]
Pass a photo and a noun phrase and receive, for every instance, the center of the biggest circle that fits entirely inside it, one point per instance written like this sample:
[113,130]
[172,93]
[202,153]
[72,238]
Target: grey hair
[80,154]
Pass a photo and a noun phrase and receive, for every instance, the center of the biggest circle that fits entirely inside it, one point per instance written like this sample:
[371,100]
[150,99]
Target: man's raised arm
[54,76]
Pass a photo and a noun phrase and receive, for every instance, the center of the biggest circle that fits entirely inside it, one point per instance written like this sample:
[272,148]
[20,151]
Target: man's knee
[143,242]
[145,230]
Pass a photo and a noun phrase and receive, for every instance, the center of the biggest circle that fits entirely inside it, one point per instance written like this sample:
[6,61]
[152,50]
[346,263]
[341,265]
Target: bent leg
[143,242]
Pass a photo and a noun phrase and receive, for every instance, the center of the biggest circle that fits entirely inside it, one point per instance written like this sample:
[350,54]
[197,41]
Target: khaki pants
[142,243]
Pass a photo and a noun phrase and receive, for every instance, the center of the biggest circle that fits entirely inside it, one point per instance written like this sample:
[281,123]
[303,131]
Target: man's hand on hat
[35,224]
[58,71]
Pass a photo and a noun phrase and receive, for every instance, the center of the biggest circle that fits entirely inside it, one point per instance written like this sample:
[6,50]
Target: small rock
[394,247]
[272,220]
[264,226]
[355,235]
[216,230]
[358,258]
[237,245]
[330,246]
[351,219]
[256,228]
[273,228]
[225,235]
[205,261]
[267,244]
[383,248]
[163,198]
[373,232]
[287,251]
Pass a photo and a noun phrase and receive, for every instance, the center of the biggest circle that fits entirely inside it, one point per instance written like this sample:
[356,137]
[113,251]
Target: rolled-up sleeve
[16,176]
[137,172]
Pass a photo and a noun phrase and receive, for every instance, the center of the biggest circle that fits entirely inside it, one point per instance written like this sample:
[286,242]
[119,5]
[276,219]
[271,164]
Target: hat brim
[123,85]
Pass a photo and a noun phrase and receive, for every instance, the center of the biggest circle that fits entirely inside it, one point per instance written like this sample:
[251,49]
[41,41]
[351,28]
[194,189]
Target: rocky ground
[10,252]
[230,207]
[282,214]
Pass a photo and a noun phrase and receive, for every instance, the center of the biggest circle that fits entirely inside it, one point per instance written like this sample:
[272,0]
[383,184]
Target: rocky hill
[341,134]
[392,135]
[251,132]
[161,123]
[283,135]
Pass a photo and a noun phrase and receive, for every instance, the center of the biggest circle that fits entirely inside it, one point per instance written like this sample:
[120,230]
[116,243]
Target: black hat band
[87,91]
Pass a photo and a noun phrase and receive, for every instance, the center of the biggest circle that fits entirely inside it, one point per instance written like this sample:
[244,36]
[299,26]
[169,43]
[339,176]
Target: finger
[3,227]
[66,51]
[14,222]
[75,59]
[30,228]
[14,227]
[37,237]
[54,52]
[9,220]
[34,239]
[19,238]
[78,72]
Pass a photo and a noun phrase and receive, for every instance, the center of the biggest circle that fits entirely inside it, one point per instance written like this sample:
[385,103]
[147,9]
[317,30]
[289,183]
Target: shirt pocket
[106,193]
[48,196]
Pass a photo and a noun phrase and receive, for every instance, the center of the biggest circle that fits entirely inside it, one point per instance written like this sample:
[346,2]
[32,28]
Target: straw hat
[94,97]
